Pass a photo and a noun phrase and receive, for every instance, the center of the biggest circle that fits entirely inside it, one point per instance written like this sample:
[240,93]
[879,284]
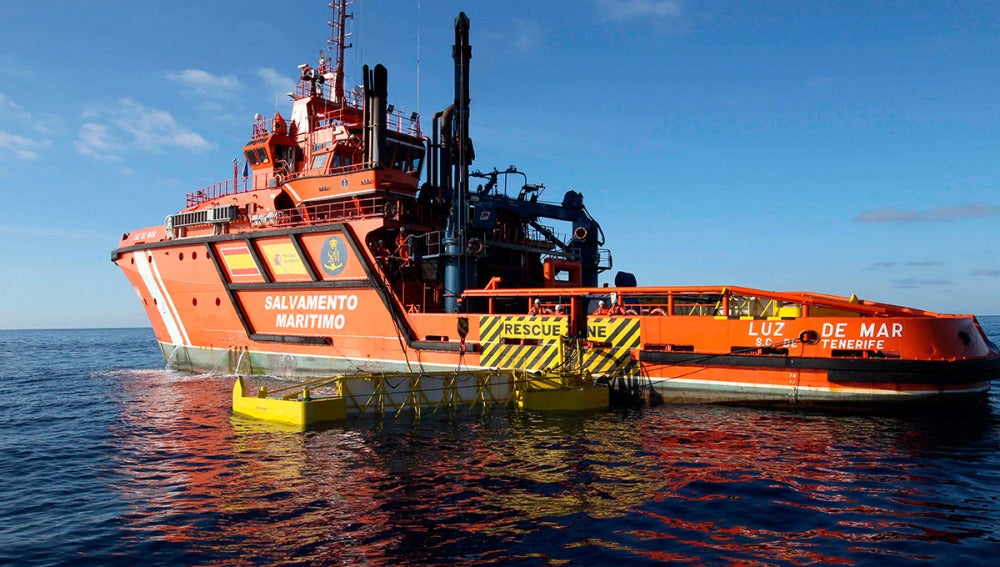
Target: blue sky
[838,147]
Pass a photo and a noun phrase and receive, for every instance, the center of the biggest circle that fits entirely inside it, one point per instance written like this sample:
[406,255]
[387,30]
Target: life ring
[658,312]
[475,246]
[580,233]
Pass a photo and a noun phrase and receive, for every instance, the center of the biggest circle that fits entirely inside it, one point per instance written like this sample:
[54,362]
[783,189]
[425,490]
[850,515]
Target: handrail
[219,189]
[395,122]
[714,297]
[323,172]
[262,181]
[323,213]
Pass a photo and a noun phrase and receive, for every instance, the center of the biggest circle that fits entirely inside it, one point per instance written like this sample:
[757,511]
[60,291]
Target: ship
[356,243]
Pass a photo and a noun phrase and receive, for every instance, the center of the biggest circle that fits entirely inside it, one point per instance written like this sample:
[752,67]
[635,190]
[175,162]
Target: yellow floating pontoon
[566,399]
[560,391]
[534,391]
[300,411]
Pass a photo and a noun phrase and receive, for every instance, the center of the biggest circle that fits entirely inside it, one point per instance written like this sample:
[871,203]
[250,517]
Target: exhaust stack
[376,82]
[458,149]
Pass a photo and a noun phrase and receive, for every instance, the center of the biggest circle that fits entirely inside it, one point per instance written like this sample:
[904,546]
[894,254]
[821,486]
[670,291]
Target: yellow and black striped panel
[530,357]
[499,337]
[621,332]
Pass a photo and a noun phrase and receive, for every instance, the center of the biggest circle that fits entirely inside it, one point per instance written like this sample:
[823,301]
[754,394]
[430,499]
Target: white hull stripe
[288,188]
[164,305]
[170,302]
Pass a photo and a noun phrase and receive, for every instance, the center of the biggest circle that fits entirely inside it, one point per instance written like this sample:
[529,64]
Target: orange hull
[309,301]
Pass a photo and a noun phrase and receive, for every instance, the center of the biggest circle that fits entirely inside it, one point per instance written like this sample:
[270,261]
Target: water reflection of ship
[680,483]
[182,468]
[187,471]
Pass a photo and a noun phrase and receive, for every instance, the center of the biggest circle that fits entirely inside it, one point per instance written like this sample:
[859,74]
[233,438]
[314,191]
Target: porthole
[218,302]
[180,256]
[194,301]
[194,255]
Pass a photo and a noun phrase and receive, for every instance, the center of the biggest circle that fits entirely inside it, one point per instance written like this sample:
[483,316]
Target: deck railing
[714,301]
[324,213]
[396,121]
[220,189]
[261,181]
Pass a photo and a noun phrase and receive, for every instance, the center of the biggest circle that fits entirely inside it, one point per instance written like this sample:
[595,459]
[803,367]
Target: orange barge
[329,255]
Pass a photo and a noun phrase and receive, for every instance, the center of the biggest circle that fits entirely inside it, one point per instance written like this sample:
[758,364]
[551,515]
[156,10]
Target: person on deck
[616,309]
[537,309]
[403,247]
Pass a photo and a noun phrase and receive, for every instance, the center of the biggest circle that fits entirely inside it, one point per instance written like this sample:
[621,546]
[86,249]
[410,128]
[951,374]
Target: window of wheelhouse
[340,161]
[319,161]
[256,155]
[406,156]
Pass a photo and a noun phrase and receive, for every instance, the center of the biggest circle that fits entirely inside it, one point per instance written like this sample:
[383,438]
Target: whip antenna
[418,57]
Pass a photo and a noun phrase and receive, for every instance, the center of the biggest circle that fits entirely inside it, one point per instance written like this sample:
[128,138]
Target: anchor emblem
[334,255]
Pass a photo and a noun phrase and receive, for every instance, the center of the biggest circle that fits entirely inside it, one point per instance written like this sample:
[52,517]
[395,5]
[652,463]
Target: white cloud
[133,126]
[971,211]
[93,141]
[817,82]
[13,111]
[276,82]
[912,264]
[630,9]
[203,83]
[19,145]
[527,36]
[933,215]
[912,283]
[888,215]
[152,129]
[925,263]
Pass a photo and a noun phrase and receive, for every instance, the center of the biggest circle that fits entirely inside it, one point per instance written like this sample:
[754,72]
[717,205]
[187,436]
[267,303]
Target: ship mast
[338,35]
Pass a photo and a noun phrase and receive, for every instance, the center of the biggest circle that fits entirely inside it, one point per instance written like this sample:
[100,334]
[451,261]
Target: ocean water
[108,459]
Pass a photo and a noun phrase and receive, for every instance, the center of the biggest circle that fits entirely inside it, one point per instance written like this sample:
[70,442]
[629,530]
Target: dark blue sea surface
[107,459]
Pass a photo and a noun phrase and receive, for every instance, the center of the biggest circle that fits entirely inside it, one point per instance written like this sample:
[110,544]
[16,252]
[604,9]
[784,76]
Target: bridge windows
[256,155]
[319,161]
[405,156]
